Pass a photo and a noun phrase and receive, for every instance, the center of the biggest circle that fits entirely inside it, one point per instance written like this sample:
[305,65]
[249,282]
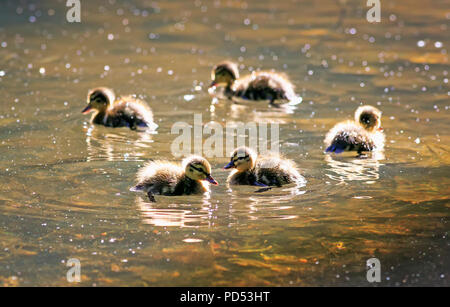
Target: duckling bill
[124,112]
[193,176]
[249,169]
[364,133]
[262,85]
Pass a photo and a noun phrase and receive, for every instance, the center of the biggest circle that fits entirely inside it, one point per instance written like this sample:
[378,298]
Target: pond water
[64,183]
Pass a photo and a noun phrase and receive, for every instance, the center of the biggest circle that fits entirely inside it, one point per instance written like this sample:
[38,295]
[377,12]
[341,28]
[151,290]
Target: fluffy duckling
[167,178]
[124,112]
[362,134]
[263,172]
[262,85]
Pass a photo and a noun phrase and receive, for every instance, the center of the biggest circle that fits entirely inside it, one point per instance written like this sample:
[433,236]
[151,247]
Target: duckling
[263,172]
[364,133]
[166,178]
[124,112]
[262,85]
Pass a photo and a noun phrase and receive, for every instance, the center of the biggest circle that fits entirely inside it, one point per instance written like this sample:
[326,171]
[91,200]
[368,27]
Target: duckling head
[198,168]
[99,99]
[369,117]
[242,159]
[224,73]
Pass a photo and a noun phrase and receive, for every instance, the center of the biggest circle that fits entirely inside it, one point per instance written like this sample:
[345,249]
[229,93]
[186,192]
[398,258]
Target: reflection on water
[268,204]
[260,109]
[174,214]
[116,144]
[343,169]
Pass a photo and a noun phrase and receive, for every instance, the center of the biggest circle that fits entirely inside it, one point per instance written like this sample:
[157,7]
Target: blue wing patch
[336,148]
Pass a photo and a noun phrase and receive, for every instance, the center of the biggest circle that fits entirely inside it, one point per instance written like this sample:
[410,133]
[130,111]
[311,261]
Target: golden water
[64,184]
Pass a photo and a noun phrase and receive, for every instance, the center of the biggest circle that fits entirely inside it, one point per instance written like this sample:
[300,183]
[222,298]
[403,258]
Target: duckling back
[274,171]
[159,177]
[128,112]
[264,86]
[349,136]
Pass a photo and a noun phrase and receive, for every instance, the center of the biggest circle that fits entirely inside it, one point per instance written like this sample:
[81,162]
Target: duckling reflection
[273,204]
[115,146]
[343,170]
[238,109]
[248,112]
[176,215]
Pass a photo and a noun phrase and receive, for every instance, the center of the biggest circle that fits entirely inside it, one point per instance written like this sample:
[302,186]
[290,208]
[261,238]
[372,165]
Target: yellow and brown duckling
[364,133]
[261,85]
[249,169]
[124,112]
[167,178]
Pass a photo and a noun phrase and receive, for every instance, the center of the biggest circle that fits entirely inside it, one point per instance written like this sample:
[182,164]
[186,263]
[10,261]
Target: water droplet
[188,97]
[191,240]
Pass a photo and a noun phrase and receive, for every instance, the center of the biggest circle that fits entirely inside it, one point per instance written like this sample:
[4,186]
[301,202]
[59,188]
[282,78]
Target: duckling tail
[295,100]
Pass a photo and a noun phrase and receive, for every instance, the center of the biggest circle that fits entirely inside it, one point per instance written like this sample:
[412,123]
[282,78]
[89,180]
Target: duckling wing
[159,177]
[273,171]
[264,86]
[131,112]
[241,178]
[348,136]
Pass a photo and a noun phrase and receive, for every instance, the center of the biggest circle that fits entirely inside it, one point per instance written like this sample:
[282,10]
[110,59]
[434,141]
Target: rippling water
[64,191]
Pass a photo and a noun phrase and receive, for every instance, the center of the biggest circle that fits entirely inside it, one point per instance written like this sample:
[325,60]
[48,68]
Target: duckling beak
[87,109]
[380,129]
[211,180]
[229,165]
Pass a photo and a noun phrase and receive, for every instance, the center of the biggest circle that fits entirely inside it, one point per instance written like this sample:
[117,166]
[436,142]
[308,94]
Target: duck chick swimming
[261,171]
[167,178]
[124,112]
[364,133]
[262,85]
